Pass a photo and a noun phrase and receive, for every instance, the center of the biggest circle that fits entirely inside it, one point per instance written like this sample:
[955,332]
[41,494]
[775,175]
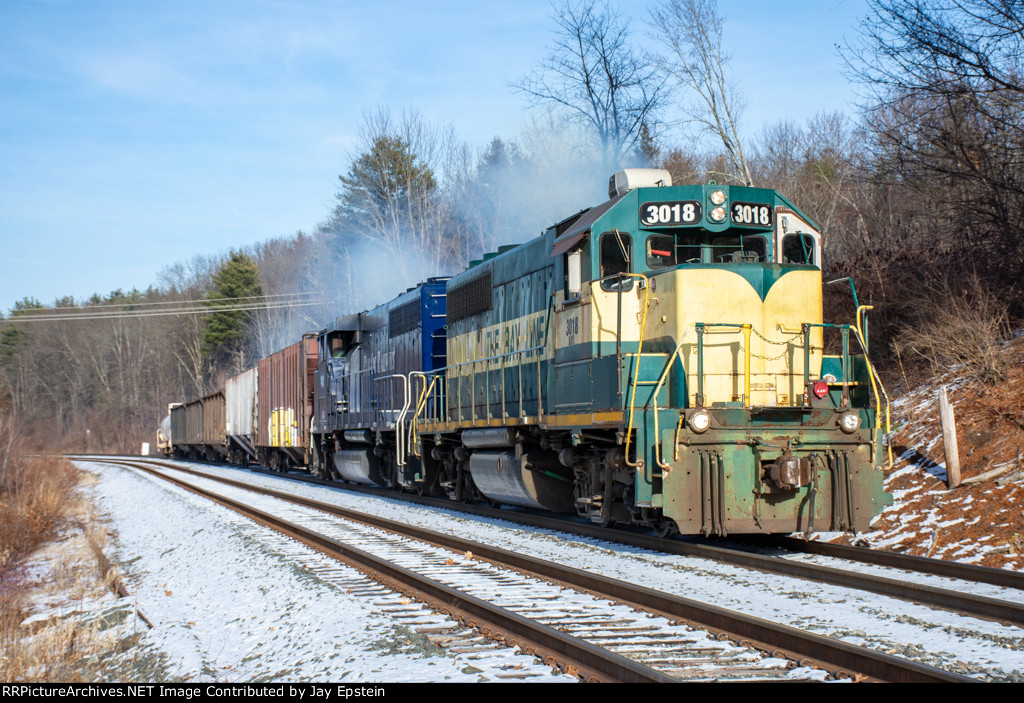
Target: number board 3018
[670,213]
[751,214]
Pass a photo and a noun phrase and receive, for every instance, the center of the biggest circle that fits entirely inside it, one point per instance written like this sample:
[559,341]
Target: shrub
[962,328]
[36,501]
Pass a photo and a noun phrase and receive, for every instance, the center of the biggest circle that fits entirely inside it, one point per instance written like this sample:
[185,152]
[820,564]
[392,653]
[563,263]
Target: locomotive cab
[718,356]
[363,387]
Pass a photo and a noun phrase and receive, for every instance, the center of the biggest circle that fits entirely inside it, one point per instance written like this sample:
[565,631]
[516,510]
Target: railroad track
[995,609]
[615,640]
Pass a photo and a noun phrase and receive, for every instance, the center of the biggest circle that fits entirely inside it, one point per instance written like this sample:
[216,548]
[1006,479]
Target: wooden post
[949,439]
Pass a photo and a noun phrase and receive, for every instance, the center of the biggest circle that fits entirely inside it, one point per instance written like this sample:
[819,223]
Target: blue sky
[137,134]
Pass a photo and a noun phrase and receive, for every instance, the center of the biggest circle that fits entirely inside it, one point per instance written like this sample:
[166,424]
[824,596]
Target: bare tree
[189,281]
[595,77]
[815,165]
[944,98]
[692,32]
[937,48]
[294,272]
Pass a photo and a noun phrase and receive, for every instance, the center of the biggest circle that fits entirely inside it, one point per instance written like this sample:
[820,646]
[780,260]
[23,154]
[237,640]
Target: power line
[87,306]
[191,310]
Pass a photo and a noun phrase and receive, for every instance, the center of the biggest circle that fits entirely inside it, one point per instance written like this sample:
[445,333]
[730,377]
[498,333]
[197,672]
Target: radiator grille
[404,318]
[470,298]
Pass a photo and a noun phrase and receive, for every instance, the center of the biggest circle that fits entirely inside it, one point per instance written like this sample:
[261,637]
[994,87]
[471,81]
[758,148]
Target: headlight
[718,197]
[718,214]
[849,422]
[699,421]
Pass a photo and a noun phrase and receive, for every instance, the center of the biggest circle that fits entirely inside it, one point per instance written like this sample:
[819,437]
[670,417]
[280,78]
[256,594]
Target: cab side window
[616,248]
[573,274]
[337,347]
[798,249]
[340,343]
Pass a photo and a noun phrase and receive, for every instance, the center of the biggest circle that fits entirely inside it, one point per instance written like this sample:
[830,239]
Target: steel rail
[979,606]
[534,638]
[834,655]
[881,557]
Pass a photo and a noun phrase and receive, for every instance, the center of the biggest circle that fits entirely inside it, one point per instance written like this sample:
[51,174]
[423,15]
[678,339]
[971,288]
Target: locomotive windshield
[661,250]
[698,248]
[737,248]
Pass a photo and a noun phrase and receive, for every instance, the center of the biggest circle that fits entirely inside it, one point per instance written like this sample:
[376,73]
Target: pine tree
[385,188]
[226,337]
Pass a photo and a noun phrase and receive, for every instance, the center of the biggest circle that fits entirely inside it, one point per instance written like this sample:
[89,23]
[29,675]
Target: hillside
[982,520]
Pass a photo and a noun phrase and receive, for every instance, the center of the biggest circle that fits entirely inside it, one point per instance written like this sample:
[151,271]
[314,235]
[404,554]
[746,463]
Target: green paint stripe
[760,277]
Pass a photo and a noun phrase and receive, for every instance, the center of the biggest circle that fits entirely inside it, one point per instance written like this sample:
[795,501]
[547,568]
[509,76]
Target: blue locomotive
[363,404]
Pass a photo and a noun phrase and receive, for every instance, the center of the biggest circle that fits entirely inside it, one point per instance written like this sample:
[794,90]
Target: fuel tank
[534,480]
[358,466]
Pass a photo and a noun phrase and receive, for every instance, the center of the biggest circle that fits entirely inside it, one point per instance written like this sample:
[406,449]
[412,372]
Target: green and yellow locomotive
[658,360]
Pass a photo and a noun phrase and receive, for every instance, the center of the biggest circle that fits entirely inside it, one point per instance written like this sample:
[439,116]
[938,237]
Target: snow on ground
[231,602]
[981,522]
[935,637]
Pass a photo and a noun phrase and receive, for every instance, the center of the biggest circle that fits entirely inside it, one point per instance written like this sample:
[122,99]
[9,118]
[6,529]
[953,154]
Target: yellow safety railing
[421,404]
[639,357]
[873,376]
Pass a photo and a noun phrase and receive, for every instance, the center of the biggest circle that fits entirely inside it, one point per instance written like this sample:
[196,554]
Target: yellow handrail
[421,404]
[639,357]
[746,364]
[657,389]
[873,377]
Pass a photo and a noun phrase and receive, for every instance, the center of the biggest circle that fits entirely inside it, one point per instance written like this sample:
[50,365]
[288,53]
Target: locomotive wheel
[319,462]
[666,528]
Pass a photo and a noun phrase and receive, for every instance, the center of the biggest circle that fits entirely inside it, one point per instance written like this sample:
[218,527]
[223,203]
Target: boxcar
[213,439]
[284,404]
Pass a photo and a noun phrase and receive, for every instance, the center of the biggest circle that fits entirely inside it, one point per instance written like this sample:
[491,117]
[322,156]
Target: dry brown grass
[35,498]
[964,328]
[51,630]
[38,508]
